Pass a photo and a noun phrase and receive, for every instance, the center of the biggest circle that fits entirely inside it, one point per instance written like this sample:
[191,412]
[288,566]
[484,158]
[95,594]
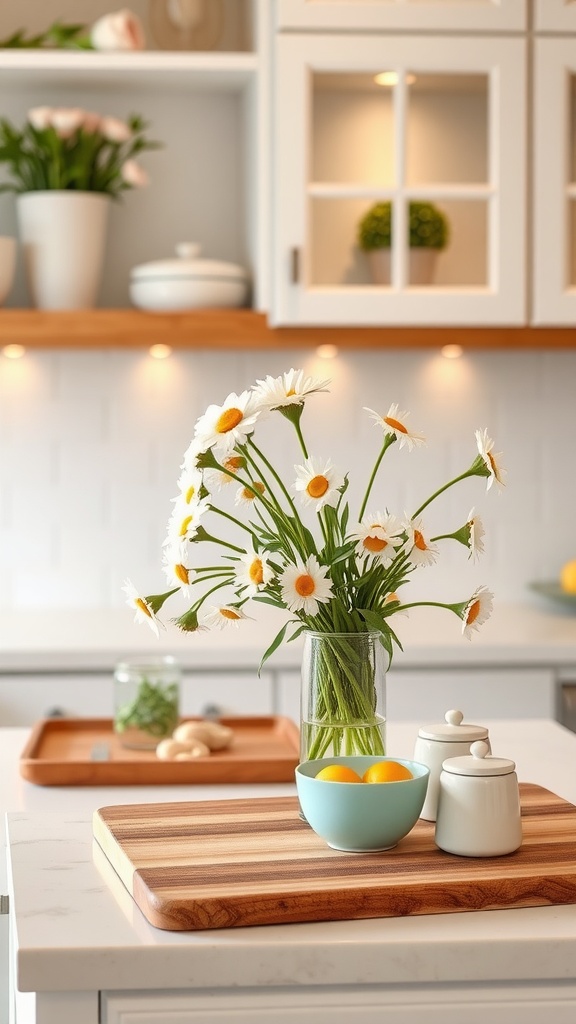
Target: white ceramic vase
[63,236]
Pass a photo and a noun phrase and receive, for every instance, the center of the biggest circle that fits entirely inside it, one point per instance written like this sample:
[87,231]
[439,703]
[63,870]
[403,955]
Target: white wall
[91,444]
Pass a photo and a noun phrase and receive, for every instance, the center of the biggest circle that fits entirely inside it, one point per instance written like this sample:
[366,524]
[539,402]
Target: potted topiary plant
[428,234]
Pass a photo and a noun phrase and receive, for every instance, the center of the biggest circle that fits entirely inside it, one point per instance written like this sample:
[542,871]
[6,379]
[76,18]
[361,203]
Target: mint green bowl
[361,817]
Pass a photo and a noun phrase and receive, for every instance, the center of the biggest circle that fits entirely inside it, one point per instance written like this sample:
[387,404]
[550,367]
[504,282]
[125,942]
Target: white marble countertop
[79,929]
[532,633]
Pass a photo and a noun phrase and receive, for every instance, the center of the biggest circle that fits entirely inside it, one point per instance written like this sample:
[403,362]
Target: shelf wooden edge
[225,329]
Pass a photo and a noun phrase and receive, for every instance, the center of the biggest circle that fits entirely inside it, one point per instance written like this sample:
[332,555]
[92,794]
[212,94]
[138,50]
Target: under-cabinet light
[160,351]
[13,351]
[327,351]
[391,78]
[452,351]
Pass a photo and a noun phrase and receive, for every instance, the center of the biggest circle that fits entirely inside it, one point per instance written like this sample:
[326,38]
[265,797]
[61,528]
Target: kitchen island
[83,953]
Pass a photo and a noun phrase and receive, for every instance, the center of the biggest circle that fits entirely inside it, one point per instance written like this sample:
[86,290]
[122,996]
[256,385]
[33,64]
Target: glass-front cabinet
[408,15]
[554,248]
[554,15]
[399,184]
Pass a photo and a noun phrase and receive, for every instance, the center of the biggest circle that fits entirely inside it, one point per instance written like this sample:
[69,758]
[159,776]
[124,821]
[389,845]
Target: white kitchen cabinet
[554,15]
[437,15]
[207,182]
[554,260]
[451,131]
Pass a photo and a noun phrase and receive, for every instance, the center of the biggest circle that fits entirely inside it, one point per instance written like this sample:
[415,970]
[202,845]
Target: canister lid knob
[454,717]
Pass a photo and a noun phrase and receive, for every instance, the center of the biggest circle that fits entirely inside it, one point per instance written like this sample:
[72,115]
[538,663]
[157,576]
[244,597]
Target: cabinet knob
[295,265]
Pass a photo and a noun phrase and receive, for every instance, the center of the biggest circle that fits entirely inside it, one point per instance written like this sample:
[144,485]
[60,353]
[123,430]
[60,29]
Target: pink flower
[91,122]
[67,120]
[121,30]
[40,118]
[115,130]
[133,174]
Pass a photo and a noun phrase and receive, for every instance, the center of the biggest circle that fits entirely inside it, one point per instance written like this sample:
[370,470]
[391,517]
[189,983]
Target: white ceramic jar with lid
[187,282]
[435,743]
[478,805]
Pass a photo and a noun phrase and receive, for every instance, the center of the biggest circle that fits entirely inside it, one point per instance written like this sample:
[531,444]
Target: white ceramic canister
[435,743]
[478,805]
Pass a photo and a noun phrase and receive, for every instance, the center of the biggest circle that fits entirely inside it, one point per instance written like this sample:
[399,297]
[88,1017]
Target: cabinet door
[449,131]
[555,181]
[439,15]
[554,15]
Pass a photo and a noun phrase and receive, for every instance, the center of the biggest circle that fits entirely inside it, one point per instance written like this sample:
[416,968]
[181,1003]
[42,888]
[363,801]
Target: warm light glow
[327,351]
[13,351]
[160,351]
[391,78]
[451,351]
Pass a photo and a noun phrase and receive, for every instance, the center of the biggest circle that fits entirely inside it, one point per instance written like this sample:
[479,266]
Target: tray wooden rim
[224,768]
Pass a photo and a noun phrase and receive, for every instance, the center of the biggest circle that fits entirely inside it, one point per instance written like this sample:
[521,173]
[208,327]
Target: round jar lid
[187,266]
[453,729]
[478,762]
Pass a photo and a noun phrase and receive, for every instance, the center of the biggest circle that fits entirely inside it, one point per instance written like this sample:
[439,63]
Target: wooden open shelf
[245,329]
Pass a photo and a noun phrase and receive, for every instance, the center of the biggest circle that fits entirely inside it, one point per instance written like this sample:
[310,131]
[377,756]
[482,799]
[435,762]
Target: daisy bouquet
[297,547]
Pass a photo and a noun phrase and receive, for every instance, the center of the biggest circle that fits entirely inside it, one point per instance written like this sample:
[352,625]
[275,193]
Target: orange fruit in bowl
[387,771]
[338,773]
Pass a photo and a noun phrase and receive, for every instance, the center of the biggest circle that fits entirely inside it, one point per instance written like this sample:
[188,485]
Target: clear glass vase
[343,702]
[146,701]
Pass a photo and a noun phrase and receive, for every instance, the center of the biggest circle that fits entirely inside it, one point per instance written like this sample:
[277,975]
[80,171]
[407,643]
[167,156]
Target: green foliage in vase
[428,227]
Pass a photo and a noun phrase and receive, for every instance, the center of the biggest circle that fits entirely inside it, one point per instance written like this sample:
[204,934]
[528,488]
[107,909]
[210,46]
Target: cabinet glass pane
[572,129]
[352,130]
[447,129]
[336,258]
[572,244]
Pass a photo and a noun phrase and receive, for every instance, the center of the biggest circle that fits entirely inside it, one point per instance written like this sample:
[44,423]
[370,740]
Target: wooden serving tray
[223,864]
[60,752]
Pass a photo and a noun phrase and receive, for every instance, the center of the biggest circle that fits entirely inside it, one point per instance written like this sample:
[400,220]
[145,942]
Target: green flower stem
[276,476]
[389,439]
[297,535]
[226,515]
[216,540]
[301,441]
[463,476]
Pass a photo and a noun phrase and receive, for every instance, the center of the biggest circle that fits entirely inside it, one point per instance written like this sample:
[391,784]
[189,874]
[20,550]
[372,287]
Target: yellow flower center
[304,585]
[317,486]
[392,596]
[229,419]
[290,393]
[492,462]
[374,544]
[395,424]
[472,613]
[419,541]
[234,463]
[143,607]
[181,573]
[256,572]
[189,494]
[185,524]
[249,495]
[228,613]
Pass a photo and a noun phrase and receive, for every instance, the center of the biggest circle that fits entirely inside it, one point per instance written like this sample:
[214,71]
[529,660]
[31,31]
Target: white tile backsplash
[91,444]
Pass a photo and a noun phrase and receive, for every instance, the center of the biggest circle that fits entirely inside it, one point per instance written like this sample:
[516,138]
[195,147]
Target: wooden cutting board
[229,863]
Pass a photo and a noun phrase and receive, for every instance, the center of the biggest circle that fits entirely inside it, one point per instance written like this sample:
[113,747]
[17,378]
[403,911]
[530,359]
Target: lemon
[568,577]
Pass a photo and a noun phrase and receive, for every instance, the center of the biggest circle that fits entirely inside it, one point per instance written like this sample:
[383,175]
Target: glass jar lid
[454,728]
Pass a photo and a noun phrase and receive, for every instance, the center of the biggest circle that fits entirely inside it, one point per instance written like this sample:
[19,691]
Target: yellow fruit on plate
[387,771]
[568,577]
[338,773]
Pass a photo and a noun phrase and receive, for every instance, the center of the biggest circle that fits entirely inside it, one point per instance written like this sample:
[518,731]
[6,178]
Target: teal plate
[553,591]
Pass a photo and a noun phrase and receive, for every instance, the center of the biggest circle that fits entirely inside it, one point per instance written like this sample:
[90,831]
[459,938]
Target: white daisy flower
[189,484]
[290,388]
[393,598]
[254,572]
[477,611]
[175,569]
[224,426]
[477,531]
[185,519]
[215,479]
[420,550]
[491,459]
[318,483]
[305,586]
[394,422]
[377,535]
[194,449]
[221,616]
[144,612]
[244,496]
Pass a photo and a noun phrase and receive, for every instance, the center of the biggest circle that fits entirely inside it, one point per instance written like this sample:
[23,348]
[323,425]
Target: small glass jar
[146,700]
